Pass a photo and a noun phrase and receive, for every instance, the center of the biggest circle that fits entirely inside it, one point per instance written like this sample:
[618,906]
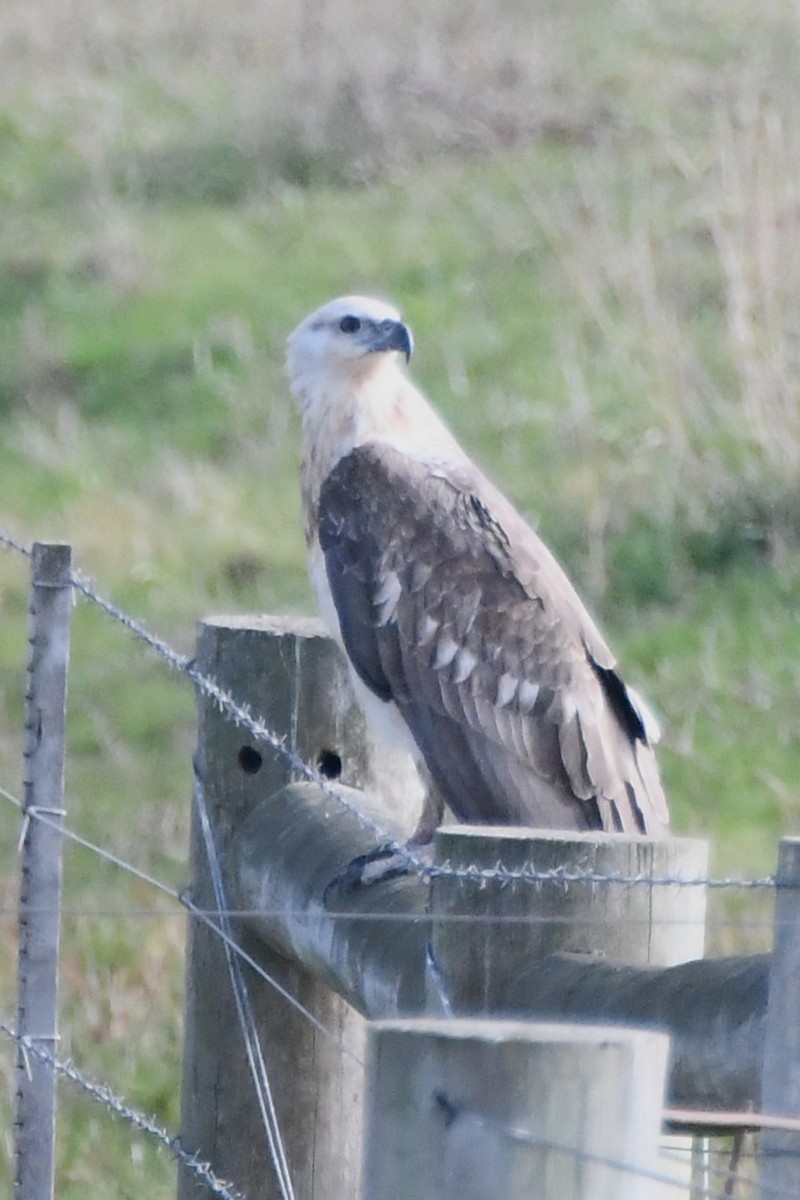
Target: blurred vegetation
[589,213]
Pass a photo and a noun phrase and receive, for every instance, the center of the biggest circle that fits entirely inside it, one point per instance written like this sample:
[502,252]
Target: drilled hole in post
[329,764]
[250,760]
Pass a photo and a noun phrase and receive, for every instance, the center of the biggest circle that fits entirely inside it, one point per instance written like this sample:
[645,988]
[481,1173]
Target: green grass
[589,217]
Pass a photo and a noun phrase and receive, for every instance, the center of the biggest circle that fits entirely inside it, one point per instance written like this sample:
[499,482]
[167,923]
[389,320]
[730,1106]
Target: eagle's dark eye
[349,324]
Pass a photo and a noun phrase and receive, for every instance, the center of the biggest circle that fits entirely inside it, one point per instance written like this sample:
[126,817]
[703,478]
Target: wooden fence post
[779,1171]
[294,677]
[458,1110]
[498,931]
[41,866]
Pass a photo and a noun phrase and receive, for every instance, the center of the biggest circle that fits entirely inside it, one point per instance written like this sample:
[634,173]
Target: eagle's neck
[384,406]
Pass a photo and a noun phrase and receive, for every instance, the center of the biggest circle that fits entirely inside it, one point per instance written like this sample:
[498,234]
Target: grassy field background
[590,215]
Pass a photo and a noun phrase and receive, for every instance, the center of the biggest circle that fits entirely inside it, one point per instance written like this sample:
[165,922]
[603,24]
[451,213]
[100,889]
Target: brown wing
[450,606]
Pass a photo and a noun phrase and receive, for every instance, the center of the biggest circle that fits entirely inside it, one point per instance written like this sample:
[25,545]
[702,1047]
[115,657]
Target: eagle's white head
[345,342]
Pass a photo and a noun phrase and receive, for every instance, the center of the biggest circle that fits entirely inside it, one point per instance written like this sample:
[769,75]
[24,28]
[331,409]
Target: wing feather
[450,605]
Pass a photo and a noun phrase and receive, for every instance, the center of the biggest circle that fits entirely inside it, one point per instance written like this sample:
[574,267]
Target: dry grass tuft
[338,87]
[756,228]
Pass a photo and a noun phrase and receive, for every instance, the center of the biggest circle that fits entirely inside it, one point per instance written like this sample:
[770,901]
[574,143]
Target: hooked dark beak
[393,335]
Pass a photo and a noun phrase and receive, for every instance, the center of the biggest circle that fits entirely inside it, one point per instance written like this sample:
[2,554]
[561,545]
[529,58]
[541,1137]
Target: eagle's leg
[429,819]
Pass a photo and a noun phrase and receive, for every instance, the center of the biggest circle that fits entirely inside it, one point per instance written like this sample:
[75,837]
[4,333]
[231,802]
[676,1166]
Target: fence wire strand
[140,1121]
[209,916]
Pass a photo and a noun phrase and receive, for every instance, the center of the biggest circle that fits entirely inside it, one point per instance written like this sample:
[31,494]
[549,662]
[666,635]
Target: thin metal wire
[388,918]
[145,1124]
[244,1009]
[203,915]
[243,717]
[43,816]
[12,543]
[207,915]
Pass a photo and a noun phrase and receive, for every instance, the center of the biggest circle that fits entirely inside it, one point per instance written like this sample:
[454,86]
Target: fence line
[243,718]
[226,1191]
[746,1119]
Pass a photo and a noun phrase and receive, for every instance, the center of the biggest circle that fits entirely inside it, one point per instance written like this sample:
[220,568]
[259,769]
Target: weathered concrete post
[293,677]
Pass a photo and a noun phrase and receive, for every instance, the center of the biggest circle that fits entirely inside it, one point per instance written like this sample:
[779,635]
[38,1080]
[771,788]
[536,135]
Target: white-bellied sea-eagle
[467,643]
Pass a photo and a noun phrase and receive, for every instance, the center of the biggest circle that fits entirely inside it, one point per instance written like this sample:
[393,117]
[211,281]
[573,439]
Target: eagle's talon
[385,862]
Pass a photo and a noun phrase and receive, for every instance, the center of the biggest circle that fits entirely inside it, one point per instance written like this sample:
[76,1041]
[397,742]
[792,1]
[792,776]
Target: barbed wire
[183,902]
[243,717]
[210,916]
[139,1120]
[10,542]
